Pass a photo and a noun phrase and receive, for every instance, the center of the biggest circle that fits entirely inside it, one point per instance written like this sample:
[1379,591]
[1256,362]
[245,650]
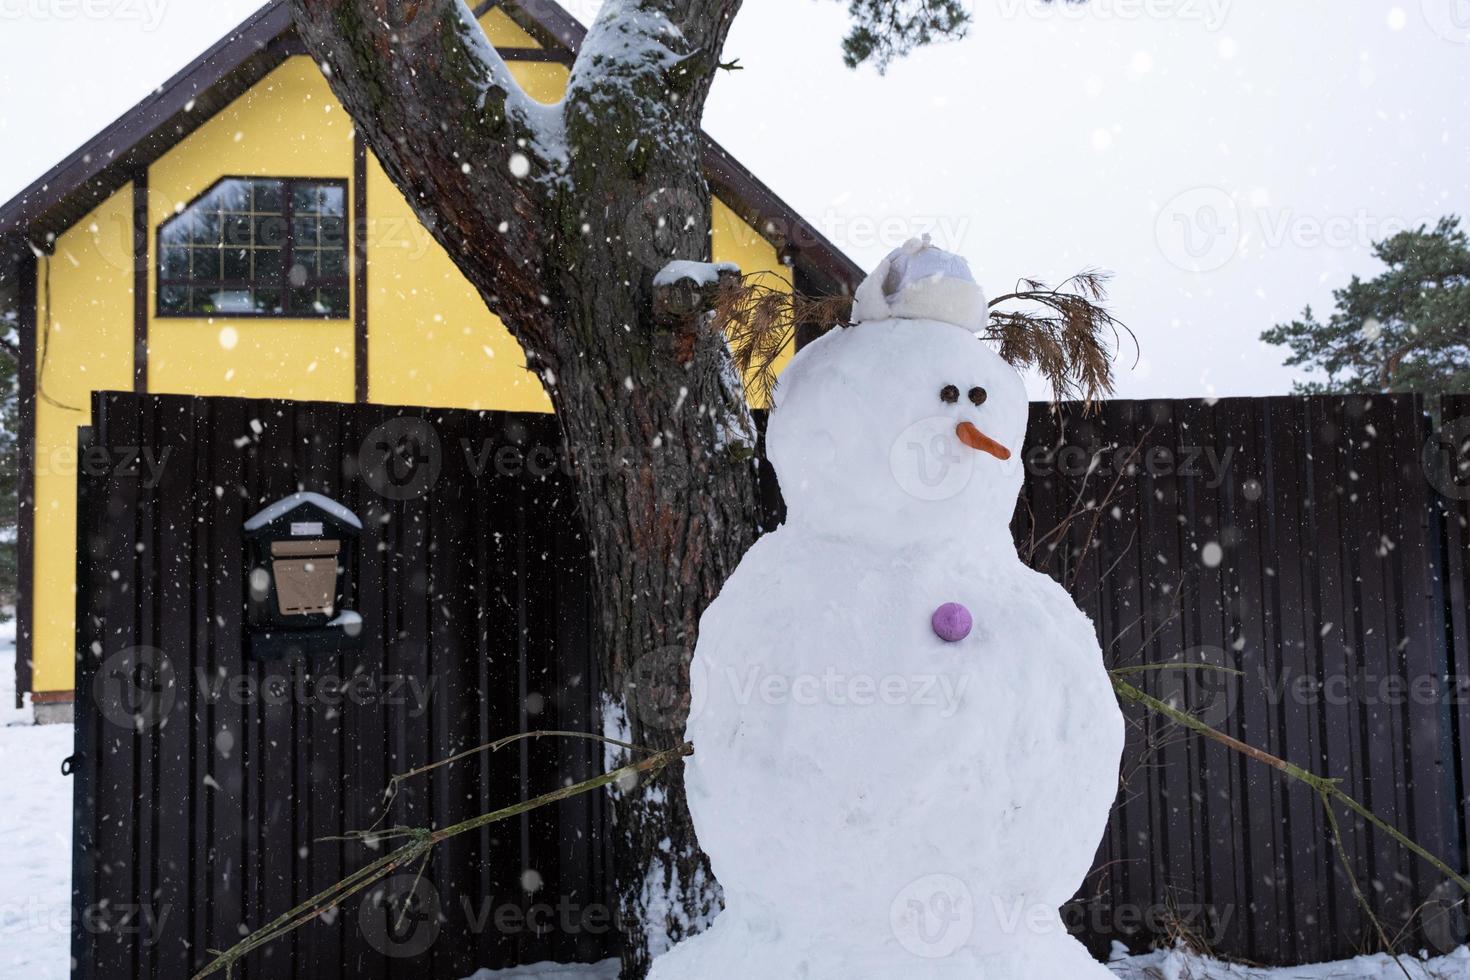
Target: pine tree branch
[883,30]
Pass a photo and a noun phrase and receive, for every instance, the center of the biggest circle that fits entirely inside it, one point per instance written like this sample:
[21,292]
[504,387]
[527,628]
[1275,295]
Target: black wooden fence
[1301,541]
[209,818]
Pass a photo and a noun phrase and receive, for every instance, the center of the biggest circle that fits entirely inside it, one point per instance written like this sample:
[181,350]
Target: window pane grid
[257,248]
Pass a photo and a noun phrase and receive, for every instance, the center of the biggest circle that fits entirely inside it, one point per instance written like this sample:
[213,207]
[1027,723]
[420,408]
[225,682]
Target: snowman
[906,743]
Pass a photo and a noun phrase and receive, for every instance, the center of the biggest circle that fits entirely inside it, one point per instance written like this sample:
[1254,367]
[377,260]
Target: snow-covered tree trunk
[561,217]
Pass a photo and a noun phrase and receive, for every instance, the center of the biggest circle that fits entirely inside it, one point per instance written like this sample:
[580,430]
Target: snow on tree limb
[673,44]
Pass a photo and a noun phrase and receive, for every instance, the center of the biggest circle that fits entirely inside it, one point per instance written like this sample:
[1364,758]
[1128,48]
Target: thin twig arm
[1323,785]
[418,849]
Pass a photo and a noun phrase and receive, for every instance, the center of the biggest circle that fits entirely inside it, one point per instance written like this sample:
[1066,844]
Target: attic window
[257,248]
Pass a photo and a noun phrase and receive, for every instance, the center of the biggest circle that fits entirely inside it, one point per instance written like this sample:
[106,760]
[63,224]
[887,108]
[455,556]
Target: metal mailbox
[302,549]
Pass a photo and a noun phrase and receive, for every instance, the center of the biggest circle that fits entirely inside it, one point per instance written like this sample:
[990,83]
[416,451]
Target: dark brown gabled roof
[71,189]
[76,185]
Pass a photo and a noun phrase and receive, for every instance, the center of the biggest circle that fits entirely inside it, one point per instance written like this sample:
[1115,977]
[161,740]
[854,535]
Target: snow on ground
[35,836]
[606,970]
[1179,965]
[1173,965]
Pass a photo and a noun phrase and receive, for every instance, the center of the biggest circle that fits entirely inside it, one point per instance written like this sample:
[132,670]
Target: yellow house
[232,236]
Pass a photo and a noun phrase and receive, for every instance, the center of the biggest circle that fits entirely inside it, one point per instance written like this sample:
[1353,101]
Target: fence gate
[209,785]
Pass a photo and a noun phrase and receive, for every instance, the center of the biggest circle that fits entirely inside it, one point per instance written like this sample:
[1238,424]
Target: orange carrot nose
[976,439]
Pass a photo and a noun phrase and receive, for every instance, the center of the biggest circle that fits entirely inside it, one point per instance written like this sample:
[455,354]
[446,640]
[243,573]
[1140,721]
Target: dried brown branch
[1066,334]
[761,318]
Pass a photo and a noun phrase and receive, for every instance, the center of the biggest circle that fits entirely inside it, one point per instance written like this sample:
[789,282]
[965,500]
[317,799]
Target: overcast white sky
[1229,160]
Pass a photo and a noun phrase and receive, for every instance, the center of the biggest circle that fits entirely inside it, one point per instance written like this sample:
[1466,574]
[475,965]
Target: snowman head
[906,426]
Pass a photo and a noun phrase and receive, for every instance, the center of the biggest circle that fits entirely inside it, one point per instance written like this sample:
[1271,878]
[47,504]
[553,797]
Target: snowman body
[876,801]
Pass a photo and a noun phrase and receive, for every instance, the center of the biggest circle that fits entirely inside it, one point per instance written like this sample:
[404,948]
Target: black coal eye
[949,394]
[978,395]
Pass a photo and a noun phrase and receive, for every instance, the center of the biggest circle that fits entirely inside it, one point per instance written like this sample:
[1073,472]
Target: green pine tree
[1406,330]
[883,30]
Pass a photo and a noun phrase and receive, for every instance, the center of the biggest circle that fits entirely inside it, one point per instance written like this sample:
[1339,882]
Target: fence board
[1450,525]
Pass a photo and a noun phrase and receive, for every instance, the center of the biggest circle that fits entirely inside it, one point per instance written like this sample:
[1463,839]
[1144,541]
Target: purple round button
[952,622]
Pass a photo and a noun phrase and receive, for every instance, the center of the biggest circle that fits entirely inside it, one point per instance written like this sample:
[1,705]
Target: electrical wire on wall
[45,341]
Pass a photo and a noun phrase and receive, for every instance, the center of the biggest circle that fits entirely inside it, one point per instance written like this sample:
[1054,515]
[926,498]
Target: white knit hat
[921,281]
